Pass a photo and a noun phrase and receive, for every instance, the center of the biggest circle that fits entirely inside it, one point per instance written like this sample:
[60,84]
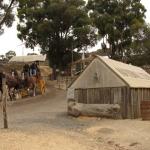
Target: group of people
[31,70]
[27,71]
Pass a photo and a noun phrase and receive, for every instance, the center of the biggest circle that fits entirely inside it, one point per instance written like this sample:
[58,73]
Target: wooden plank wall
[98,95]
[128,99]
[145,110]
[115,95]
[138,95]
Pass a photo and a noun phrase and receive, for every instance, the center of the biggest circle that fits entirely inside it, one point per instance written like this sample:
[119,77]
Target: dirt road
[41,123]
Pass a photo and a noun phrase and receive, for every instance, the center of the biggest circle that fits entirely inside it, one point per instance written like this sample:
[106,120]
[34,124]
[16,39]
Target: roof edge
[81,73]
[99,57]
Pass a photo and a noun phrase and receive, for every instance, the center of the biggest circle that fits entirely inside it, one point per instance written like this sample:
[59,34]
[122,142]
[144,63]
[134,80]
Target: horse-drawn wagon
[19,84]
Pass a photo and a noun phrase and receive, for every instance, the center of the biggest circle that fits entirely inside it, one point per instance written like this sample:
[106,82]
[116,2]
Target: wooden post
[4,102]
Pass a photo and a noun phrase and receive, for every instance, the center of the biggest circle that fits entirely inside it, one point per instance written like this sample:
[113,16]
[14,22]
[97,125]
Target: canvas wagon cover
[29,58]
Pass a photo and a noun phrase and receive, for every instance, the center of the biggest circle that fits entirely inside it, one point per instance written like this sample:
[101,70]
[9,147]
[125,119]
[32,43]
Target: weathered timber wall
[145,110]
[104,96]
[128,99]
[138,95]
[99,95]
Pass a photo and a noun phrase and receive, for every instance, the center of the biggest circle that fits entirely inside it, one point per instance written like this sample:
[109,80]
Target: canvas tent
[106,81]
[28,58]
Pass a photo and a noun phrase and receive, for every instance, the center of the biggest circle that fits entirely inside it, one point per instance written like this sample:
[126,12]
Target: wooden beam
[4,102]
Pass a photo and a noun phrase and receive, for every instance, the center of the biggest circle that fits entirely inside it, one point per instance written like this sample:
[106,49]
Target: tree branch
[7,12]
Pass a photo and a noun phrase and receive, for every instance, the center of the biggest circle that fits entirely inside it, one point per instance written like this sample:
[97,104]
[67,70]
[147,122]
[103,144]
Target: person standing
[33,69]
[26,69]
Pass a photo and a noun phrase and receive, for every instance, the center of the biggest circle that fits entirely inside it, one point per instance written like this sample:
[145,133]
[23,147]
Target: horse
[13,84]
[34,80]
[41,84]
[16,83]
[30,83]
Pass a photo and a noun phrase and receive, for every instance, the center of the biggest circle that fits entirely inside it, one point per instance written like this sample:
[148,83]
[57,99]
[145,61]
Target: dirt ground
[42,123]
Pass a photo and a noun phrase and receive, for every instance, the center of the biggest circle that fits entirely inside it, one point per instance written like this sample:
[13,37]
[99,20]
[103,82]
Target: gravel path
[41,123]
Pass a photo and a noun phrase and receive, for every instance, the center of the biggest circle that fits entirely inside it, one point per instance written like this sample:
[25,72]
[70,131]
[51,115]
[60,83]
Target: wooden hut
[106,81]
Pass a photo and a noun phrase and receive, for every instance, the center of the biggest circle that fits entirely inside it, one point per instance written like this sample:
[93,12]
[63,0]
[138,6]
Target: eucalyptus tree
[118,21]
[57,26]
[139,52]
[6,14]
[10,54]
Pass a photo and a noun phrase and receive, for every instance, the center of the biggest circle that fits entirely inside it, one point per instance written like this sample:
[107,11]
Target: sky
[9,40]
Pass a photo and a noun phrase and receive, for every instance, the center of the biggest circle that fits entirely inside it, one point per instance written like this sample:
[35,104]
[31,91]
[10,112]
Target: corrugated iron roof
[28,58]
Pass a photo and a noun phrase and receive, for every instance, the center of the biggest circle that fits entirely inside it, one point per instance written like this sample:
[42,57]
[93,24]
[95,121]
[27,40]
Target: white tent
[28,58]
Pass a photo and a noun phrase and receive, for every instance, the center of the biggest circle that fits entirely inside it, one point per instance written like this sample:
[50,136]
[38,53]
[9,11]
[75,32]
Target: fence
[63,82]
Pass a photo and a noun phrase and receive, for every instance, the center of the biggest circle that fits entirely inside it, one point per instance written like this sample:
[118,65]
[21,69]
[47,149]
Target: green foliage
[2,57]
[57,26]
[118,21]
[10,54]
[6,15]
[140,48]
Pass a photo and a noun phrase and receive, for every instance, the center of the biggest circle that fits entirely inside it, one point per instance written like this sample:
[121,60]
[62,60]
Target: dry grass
[41,123]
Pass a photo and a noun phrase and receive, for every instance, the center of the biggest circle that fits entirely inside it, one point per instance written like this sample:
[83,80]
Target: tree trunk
[94,110]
